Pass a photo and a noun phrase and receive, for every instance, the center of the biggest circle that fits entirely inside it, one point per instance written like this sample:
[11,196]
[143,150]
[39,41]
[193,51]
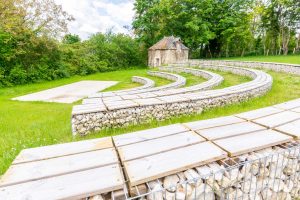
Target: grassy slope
[32,124]
[292,59]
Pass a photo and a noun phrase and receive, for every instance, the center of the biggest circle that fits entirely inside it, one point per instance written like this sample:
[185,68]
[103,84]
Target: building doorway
[157,62]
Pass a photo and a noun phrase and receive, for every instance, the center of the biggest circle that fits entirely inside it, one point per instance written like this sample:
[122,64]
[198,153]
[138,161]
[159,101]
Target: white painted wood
[150,147]
[209,123]
[70,186]
[167,163]
[148,134]
[57,166]
[254,114]
[292,128]
[59,150]
[229,130]
[251,142]
[278,119]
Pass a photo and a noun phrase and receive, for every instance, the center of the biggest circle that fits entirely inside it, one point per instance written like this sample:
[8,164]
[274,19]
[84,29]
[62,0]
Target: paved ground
[68,93]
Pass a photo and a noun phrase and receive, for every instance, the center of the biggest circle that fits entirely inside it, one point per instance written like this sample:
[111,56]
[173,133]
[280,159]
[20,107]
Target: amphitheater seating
[178,81]
[213,80]
[154,157]
[249,155]
[117,111]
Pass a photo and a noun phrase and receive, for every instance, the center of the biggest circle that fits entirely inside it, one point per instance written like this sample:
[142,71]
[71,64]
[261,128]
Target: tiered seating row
[146,83]
[213,80]
[279,67]
[178,81]
[115,112]
[226,155]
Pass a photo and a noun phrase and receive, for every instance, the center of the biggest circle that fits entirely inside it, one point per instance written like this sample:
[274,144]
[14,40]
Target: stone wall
[278,67]
[269,174]
[144,110]
[166,56]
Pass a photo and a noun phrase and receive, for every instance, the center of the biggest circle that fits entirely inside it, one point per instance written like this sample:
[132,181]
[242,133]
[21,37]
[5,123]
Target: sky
[92,16]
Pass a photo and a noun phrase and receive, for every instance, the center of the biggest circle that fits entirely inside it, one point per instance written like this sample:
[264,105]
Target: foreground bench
[232,157]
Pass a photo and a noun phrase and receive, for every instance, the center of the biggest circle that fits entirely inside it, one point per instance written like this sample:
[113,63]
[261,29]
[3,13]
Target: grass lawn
[31,124]
[292,59]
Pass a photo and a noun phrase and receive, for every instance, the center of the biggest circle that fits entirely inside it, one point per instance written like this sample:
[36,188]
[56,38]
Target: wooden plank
[70,186]
[255,114]
[58,166]
[251,142]
[292,128]
[229,130]
[148,134]
[289,105]
[278,119]
[58,150]
[170,162]
[209,123]
[151,147]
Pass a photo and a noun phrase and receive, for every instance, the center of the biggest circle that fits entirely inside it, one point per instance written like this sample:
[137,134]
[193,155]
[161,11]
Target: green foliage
[214,28]
[102,53]
[71,39]
[30,53]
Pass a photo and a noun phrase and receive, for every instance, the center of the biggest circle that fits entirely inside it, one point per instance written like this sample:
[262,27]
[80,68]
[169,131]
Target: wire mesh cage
[269,174]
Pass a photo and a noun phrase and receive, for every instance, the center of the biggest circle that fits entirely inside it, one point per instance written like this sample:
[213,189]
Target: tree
[146,19]
[280,21]
[206,26]
[71,39]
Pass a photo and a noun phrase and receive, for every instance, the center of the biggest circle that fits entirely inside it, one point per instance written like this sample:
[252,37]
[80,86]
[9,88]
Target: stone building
[167,51]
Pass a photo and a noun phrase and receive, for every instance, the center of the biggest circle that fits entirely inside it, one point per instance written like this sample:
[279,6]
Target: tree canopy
[35,44]
[214,28]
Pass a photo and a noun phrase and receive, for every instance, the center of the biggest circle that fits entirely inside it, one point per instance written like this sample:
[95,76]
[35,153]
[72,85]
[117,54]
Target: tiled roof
[168,43]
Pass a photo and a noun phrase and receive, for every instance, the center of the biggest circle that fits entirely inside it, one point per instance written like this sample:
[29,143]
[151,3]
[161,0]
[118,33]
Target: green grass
[292,59]
[32,124]
[127,83]
[192,80]
[231,79]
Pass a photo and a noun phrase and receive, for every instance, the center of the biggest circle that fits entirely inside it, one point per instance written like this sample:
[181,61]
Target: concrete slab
[68,93]
[292,128]
[289,105]
[226,131]
[160,165]
[158,145]
[251,142]
[210,123]
[148,134]
[296,110]
[278,119]
[255,114]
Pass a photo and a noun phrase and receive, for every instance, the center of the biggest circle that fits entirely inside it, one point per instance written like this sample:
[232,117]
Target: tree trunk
[209,52]
[243,52]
